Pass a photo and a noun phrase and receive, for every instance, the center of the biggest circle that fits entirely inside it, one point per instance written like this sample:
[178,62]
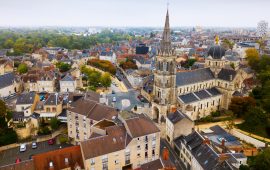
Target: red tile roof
[73,155]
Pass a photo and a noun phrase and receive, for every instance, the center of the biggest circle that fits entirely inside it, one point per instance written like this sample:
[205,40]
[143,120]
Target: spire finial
[165,44]
[217,39]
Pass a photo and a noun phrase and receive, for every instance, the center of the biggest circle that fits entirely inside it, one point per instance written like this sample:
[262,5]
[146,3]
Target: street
[9,156]
[173,156]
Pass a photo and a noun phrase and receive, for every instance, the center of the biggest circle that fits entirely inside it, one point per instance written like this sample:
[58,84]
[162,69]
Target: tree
[228,44]
[22,68]
[255,117]
[9,43]
[54,123]
[252,57]
[63,67]
[262,160]
[3,108]
[240,105]
[106,80]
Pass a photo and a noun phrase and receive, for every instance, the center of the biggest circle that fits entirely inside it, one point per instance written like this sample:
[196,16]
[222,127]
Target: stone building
[198,92]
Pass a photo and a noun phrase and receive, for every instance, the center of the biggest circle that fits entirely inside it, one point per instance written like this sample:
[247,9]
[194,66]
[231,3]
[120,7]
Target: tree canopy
[22,68]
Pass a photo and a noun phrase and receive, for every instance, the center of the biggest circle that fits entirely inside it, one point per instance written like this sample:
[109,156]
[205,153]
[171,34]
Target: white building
[68,84]
[8,85]
[109,56]
[262,28]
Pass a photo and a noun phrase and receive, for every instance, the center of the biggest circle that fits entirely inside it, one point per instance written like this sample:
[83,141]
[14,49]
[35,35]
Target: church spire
[165,44]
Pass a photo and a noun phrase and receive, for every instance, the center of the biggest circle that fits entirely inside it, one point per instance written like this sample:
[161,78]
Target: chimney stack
[206,141]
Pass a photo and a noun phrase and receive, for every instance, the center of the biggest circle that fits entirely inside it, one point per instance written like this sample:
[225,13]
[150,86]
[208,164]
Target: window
[153,152]
[138,155]
[116,162]
[146,154]
[105,162]
[146,146]
[138,147]
[92,161]
[53,109]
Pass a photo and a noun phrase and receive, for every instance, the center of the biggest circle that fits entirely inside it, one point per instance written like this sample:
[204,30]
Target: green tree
[54,123]
[106,80]
[63,67]
[262,160]
[3,108]
[22,68]
[9,43]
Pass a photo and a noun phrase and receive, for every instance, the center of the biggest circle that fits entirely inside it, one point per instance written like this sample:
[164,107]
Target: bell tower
[164,91]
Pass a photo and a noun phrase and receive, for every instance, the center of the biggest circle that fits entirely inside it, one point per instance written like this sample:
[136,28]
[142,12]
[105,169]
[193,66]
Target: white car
[22,147]
[114,99]
[34,145]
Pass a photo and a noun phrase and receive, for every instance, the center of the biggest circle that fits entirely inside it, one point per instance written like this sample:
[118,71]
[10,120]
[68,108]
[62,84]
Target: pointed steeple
[165,44]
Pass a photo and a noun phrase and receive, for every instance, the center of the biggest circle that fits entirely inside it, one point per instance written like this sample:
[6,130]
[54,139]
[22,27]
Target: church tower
[164,95]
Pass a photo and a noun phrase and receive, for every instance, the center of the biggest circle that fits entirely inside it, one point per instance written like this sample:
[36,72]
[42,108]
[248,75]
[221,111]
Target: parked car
[34,145]
[51,141]
[18,160]
[22,147]
[113,92]
[114,99]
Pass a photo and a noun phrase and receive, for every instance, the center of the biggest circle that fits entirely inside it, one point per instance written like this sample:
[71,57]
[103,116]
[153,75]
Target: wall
[246,138]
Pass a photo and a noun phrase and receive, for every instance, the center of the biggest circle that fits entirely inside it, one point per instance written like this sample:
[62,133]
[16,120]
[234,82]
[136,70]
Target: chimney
[206,141]
[223,143]
[165,154]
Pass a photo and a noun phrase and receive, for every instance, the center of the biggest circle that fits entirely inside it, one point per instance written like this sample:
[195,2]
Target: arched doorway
[155,114]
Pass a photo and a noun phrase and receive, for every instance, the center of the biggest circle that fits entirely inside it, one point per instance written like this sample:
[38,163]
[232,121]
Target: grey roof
[188,98]
[194,76]
[68,78]
[26,98]
[203,153]
[213,91]
[6,80]
[202,94]
[51,100]
[199,95]
[216,52]
[35,115]
[177,116]
[225,74]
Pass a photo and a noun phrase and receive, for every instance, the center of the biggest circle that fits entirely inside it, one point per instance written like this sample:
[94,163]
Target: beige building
[83,114]
[133,141]
[178,124]
[198,92]
[6,66]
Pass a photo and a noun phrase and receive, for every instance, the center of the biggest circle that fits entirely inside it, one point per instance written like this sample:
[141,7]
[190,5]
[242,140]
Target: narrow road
[173,156]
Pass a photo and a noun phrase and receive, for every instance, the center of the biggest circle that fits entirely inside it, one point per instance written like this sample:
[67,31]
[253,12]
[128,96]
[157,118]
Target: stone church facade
[198,92]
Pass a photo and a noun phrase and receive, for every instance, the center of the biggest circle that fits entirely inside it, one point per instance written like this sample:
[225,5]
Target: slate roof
[68,78]
[199,95]
[6,80]
[203,153]
[26,98]
[225,74]
[177,116]
[194,76]
[216,52]
[52,100]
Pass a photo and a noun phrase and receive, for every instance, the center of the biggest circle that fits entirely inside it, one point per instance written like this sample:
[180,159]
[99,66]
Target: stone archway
[156,114]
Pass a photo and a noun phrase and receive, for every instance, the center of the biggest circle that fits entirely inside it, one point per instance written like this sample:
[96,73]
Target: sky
[133,13]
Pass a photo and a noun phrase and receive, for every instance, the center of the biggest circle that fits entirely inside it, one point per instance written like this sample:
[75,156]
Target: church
[198,92]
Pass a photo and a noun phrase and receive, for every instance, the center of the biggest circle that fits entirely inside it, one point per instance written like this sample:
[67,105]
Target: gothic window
[216,63]
[164,66]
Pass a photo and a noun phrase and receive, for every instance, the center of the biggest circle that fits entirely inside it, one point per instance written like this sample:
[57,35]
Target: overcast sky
[232,13]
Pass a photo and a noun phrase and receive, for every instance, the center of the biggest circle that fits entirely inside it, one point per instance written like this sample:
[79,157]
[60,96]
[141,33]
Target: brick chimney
[206,141]
[223,143]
